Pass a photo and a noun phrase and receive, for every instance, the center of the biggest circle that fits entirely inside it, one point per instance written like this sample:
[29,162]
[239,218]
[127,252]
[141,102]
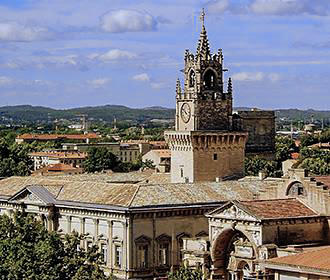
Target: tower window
[209,79]
[192,79]
[215,156]
[181,172]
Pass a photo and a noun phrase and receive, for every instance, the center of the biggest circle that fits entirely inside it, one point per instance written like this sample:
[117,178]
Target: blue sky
[70,53]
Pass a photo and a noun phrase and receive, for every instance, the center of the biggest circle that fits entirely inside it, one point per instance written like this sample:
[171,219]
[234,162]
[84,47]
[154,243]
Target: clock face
[185,112]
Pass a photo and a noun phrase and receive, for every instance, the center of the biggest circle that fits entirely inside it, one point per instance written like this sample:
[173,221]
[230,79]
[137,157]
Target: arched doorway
[226,260]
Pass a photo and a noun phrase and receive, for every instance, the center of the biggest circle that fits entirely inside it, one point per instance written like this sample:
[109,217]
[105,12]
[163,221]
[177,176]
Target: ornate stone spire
[230,87]
[203,48]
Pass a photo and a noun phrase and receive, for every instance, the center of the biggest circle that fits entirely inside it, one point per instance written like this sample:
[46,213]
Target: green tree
[308,140]
[185,273]
[100,159]
[284,146]
[14,159]
[315,160]
[256,164]
[29,251]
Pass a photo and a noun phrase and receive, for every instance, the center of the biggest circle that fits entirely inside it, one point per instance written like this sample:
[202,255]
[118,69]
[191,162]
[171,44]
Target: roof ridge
[134,195]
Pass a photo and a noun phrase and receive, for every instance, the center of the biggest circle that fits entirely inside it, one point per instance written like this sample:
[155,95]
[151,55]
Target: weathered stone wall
[214,114]
[261,128]
[294,232]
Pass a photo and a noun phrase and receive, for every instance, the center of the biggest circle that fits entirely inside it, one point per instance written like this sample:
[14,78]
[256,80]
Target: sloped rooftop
[89,189]
[278,208]
[318,259]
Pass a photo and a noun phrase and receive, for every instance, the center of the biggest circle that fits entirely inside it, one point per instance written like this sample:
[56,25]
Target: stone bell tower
[203,145]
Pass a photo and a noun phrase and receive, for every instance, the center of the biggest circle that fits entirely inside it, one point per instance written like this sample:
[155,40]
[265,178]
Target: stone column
[129,245]
[96,228]
[124,248]
[82,231]
[110,253]
[68,227]
[173,249]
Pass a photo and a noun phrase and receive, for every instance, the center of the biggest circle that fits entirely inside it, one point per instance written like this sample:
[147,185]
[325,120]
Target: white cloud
[143,77]
[12,31]
[274,77]
[248,76]
[4,81]
[98,83]
[219,6]
[123,20]
[158,85]
[290,7]
[271,7]
[116,54]
[255,77]
[281,63]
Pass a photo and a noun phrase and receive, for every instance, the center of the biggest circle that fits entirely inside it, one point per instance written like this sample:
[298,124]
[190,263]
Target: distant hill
[28,113]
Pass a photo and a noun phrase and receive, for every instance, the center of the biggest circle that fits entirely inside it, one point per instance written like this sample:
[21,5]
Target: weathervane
[202,17]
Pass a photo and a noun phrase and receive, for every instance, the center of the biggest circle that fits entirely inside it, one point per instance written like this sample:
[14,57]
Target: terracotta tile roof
[56,154]
[60,167]
[324,180]
[317,259]
[27,136]
[295,155]
[163,152]
[98,189]
[77,191]
[320,145]
[278,208]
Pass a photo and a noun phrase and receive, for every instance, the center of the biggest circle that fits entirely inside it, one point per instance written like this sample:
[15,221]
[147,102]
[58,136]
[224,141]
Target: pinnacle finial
[202,17]
[230,86]
[178,87]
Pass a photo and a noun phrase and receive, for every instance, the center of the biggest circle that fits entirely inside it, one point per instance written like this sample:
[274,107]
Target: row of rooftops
[60,154]
[52,137]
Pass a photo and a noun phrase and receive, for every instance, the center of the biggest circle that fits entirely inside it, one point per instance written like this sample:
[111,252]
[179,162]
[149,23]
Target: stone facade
[198,156]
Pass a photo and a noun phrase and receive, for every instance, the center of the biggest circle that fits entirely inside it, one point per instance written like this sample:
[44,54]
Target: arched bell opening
[209,79]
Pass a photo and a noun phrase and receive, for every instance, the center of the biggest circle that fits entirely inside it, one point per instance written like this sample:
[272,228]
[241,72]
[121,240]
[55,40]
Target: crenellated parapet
[205,140]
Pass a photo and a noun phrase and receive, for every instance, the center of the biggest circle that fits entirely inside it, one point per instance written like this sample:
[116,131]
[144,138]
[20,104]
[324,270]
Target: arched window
[296,189]
[192,79]
[209,79]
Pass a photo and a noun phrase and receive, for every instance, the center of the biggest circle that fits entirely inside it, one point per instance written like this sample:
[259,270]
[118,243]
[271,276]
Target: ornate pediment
[33,195]
[232,211]
[27,197]
[143,239]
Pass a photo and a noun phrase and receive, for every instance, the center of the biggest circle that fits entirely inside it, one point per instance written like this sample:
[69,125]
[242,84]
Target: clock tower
[204,146]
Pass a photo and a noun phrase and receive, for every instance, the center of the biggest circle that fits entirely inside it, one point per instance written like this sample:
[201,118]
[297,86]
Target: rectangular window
[103,228]
[143,256]
[63,224]
[163,254]
[215,156]
[89,226]
[181,173]
[118,256]
[104,253]
[75,224]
